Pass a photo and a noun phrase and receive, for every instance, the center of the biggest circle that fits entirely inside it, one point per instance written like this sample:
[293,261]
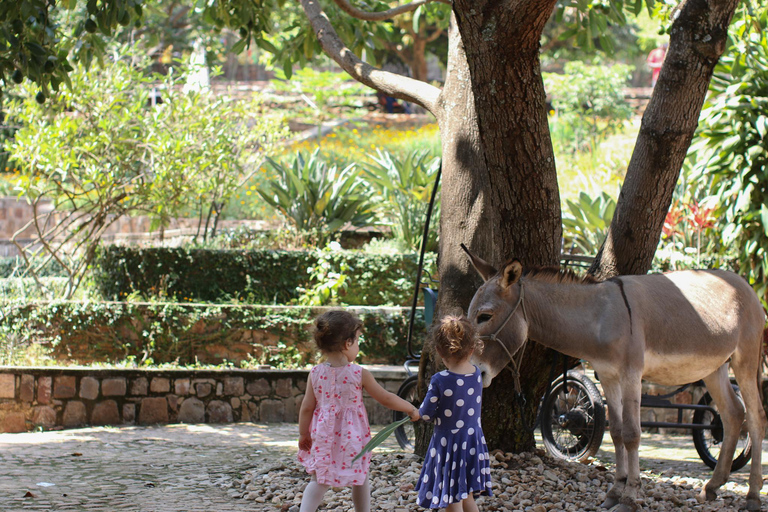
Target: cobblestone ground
[185,468]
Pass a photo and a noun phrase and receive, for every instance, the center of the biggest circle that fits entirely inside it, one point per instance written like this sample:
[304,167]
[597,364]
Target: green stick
[381,436]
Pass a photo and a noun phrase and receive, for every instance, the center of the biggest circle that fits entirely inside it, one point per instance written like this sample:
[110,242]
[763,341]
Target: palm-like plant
[313,196]
[586,221]
[405,185]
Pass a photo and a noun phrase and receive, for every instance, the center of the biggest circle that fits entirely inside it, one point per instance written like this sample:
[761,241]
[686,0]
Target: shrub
[255,276]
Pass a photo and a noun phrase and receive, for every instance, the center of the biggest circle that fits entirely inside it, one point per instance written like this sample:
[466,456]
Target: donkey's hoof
[753,504]
[706,495]
[609,503]
[627,505]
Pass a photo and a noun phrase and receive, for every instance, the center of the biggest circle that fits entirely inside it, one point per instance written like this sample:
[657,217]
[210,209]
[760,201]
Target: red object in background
[655,59]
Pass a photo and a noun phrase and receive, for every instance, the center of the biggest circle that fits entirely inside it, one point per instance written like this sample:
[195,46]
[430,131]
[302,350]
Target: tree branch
[391,84]
[348,8]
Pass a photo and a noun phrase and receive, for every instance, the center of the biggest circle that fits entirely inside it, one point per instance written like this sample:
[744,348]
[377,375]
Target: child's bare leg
[313,495]
[453,507]
[361,497]
[469,504]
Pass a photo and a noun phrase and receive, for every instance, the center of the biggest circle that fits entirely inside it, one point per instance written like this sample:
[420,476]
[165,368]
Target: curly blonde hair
[455,338]
[333,329]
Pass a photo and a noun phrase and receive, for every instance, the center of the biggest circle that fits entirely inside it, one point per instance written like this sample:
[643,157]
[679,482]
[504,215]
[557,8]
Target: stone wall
[55,398]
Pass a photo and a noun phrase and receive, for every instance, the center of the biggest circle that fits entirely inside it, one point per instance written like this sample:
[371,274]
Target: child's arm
[431,401]
[305,416]
[387,399]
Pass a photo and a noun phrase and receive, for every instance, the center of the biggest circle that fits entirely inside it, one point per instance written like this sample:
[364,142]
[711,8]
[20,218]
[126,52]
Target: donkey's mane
[558,275]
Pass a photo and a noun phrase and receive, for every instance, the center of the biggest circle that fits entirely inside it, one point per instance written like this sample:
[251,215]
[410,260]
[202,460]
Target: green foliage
[320,89]
[589,102]
[314,196]
[586,222]
[405,187]
[152,334]
[254,277]
[103,152]
[327,283]
[730,151]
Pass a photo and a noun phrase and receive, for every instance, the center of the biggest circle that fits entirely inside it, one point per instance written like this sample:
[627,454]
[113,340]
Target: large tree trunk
[698,40]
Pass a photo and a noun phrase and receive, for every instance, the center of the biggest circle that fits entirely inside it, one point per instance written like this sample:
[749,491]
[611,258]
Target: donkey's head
[497,315]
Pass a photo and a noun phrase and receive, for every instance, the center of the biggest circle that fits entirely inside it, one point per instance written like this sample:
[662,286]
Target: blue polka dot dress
[456,464]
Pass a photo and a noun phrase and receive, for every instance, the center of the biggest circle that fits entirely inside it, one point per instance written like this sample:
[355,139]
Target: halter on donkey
[670,329]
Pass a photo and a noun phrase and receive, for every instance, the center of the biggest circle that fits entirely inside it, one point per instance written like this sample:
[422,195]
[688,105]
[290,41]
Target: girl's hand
[305,442]
[414,414]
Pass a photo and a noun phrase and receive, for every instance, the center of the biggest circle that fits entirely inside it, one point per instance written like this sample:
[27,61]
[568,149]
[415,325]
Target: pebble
[521,483]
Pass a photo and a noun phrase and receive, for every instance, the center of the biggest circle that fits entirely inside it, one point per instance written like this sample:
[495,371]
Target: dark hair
[333,329]
[454,338]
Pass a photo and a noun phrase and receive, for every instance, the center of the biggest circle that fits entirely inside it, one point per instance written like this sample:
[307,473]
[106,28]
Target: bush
[254,277]
[163,333]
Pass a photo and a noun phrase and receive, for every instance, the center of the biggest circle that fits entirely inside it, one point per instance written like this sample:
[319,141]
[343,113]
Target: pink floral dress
[339,427]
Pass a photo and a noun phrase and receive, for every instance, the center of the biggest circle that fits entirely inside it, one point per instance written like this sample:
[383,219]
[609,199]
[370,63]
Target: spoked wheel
[406,434]
[708,441]
[573,419]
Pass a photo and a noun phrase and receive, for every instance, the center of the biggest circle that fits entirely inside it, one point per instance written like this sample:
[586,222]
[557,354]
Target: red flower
[672,220]
[700,218]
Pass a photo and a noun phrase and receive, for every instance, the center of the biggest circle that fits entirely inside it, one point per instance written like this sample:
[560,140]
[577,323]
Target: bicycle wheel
[573,419]
[406,434]
[707,441]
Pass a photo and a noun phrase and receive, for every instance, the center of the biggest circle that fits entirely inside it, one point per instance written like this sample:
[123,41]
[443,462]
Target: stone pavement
[190,468]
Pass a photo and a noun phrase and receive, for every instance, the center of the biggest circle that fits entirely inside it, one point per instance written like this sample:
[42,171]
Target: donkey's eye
[484,317]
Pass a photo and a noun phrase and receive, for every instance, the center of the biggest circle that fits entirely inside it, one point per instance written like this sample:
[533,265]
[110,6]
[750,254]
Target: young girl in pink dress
[333,422]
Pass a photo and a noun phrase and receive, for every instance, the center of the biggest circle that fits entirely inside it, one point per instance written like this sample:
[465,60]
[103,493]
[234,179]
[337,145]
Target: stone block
[271,411]
[89,388]
[235,402]
[181,387]
[284,388]
[139,387]
[160,385]
[289,409]
[301,385]
[297,407]
[219,412]
[113,387]
[105,413]
[153,410]
[64,386]
[13,422]
[203,389]
[173,402]
[44,390]
[27,388]
[259,387]
[129,414]
[192,410]
[44,416]
[253,411]
[219,389]
[233,386]
[245,412]
[74,414]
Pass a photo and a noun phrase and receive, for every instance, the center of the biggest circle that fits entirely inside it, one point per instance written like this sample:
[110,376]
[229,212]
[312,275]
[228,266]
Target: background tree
[500,194]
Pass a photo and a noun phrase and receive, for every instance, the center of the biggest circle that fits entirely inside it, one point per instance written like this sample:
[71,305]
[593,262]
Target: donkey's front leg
[612,392]
[630,431]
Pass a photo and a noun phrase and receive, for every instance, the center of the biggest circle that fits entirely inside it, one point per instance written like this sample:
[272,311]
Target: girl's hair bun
[333,329]
[455,337]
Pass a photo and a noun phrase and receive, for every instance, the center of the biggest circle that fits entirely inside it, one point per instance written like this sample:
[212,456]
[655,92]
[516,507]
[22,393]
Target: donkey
[670,329]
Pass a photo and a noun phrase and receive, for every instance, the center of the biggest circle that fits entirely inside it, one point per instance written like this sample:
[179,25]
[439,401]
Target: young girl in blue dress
[456,467]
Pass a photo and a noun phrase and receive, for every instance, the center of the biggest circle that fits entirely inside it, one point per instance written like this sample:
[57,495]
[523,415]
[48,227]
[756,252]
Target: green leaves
[586,222]
[313,196]
[405,186]
[729,156]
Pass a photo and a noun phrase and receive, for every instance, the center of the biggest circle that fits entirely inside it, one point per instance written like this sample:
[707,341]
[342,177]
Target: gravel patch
[530,482]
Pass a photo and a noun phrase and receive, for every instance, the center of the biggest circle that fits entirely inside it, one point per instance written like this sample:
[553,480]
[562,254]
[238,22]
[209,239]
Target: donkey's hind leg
[612,392]
[748,375]
[732,415]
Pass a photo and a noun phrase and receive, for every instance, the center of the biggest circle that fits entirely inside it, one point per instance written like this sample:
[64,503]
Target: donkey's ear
[511,273]
[483,268]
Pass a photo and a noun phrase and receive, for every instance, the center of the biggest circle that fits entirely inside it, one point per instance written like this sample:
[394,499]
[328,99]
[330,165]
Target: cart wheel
[707,441]
[406,434]
[573,420]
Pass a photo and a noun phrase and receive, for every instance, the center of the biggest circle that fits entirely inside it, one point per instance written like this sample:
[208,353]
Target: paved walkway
[186,468]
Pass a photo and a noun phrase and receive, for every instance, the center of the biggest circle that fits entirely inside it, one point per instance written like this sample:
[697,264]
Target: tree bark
[698,39]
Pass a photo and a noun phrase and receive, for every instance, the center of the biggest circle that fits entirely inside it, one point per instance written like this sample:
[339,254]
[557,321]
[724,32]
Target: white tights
[314,492]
